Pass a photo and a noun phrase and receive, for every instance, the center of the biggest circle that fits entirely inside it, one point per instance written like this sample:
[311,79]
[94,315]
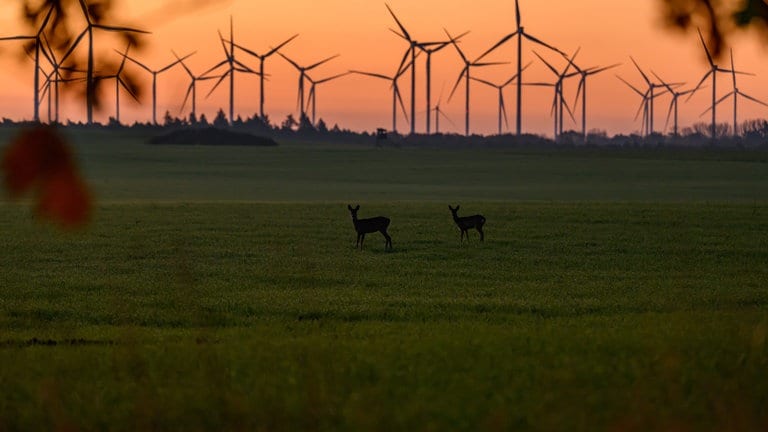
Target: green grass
[571,316]
[219,289]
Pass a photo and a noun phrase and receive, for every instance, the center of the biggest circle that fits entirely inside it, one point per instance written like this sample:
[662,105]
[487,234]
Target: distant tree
[192,119]
[305,124]
[321,126]
[220,121]
[203,121]
[289,123]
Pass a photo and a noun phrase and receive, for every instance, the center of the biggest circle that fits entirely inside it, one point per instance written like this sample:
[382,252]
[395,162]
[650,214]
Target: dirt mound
[211,136]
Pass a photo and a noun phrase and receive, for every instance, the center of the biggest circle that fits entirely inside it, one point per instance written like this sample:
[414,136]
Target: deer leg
[388,243]
[362,239]
[480,230]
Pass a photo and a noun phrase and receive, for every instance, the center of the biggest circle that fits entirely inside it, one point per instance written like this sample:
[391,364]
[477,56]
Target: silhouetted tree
[220,121]
[289,123]
[203,121]
[322,127]
[192,119]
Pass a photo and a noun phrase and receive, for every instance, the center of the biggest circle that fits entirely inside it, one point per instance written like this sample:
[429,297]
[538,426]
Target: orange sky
[607,31]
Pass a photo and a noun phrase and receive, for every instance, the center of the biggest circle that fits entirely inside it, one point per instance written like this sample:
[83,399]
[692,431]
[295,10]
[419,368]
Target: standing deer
[467,222]
[365,226]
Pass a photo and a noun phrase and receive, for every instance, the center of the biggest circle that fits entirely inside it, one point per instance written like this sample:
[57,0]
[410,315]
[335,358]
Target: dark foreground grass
[265,317]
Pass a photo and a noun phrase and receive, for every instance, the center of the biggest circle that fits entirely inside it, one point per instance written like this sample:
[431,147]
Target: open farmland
[219,288]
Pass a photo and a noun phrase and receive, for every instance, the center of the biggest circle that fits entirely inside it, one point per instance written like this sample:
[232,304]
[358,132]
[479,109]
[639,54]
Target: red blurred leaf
[64,199]
[40,159]
[32,156]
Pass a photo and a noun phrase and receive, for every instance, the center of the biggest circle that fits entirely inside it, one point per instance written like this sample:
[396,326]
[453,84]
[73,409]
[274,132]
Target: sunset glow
[606,31]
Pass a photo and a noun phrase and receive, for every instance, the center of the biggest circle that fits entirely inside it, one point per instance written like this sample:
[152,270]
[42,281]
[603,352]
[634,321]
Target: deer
[370,225]
[465,223]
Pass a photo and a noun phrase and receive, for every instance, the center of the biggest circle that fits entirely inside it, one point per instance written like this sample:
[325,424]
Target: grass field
[220,289]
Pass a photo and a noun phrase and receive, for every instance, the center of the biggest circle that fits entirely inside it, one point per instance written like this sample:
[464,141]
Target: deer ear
[349,207]
[457,207]
[450,208]
[358,207]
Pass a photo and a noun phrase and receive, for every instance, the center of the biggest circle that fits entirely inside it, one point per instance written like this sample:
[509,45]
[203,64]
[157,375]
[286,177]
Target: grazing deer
[467,222]
[365,226]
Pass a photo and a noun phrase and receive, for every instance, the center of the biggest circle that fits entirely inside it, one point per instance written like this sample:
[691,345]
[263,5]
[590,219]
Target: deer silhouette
[365,226]
[464,223]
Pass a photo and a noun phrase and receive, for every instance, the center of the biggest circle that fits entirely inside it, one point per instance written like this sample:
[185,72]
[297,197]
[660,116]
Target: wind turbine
[262,58]
[713,70]
[500,88]
[582,91]
[673,104]
[520,33]
[396,96]
[438,113]
[192,88]
[120,82]
[466,74]
[414,45]
[313,93]
[89,79]
[36,38]
[643,105]
[429,49]
[233,64]
[735,93]
[302,77]
[652,86]
[155,73]
[558,102]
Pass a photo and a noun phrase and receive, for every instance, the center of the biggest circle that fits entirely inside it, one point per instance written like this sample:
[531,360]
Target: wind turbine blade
[296,65]
[704,44]
[174,63]
[218,82]
[85,11]
[497,45]
[17,38]
[405,32]
[189,72]
[73,46]
[402,68]
[489,64]
[321,62]
[400,35]
[224,45]
[542,43]
[186,97]
[274,50]
[514,77]
[552,68]
[372,74]
[128,89]
[458,81]
[244,68]
[645,77]
[119,29]
[135,61]
[733,70]
[699,85]
[488,83]
[603,69]
[663,82]
[331,78]
[669,113]
[456,45]
[631,86]
[402,105]
[220,64]
[752,99]
[517,14]
[643,106]
[578,91]
[504,111]
[567,108]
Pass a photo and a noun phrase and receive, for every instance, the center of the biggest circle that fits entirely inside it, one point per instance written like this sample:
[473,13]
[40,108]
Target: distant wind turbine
[673,104]
[262,58]
[119,82]
[520,33]
[643,105]
[192,88]
[313,93]
[559,104]
[582,92]
[233,65]
[302,77]
[155,73]
[89,79]
[396,96]
[713,70]
[500,88]
[652,86]
[466,74]
[38,46]
[735,93]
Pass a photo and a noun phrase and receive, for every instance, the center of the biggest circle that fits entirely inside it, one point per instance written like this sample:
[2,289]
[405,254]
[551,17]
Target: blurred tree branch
[717,19]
